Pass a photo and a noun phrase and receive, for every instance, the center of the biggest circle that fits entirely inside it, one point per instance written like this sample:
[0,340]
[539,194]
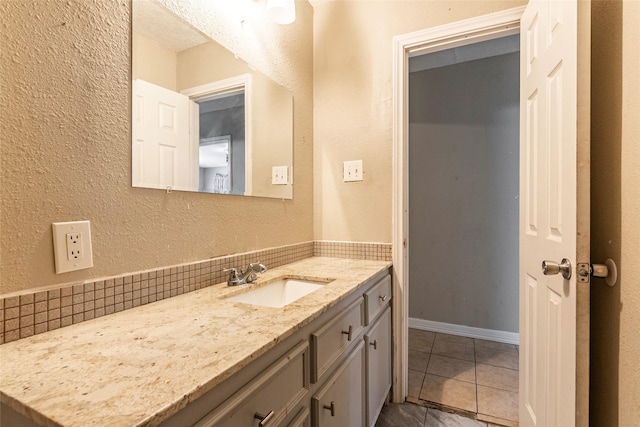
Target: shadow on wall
[606,203]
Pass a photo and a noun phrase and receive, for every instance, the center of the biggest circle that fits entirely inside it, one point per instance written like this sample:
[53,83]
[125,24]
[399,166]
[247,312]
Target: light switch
[352,171]
[279,175]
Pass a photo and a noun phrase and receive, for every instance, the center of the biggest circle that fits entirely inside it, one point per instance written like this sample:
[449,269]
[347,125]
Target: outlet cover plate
[72,246]
[279,175]
[352,171]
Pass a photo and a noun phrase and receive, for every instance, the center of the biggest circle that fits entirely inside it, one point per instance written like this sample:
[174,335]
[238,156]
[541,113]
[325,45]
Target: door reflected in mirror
[195,105]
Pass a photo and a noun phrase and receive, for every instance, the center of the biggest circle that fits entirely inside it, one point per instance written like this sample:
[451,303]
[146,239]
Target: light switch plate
[352,171]
[72,246]
[279,175]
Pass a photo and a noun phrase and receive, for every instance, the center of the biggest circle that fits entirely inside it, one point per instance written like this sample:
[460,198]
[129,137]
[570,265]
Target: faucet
[247,276]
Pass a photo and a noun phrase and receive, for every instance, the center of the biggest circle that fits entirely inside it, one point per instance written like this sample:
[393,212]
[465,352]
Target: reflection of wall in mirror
[273,121]
[272,114]
[154,63]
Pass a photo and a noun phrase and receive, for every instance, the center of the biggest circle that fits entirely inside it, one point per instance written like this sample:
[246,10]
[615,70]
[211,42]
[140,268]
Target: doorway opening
[463,228]
[474,30]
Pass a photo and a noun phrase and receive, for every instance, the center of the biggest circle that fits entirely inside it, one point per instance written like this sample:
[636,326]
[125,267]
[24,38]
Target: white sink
[279,292]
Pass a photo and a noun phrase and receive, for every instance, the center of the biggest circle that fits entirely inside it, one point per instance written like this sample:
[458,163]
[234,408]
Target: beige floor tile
[421,340]
[418,360]
[493,357]
[496,377]
[453,338]
[455,349]
[449,392]
[497,403]
[497,422]
[415,383]
[495,345]
[448,367]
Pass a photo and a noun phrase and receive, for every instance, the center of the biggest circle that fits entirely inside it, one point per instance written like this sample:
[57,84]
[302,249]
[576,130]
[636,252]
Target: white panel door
[161,148]
[554,216]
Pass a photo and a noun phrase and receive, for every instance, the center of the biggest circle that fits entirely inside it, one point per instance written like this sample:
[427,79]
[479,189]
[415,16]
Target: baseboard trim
[465,331]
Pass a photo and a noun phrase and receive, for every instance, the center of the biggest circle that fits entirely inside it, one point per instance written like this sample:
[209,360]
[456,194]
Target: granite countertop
[140,366]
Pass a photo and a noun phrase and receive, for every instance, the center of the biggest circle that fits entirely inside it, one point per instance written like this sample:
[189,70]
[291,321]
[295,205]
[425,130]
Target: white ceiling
[152,20]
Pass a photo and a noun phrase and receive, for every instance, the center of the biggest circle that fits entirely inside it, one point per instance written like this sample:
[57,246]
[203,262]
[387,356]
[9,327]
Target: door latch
[608,271]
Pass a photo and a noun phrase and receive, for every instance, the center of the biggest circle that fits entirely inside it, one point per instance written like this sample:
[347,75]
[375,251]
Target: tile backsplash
[38,311]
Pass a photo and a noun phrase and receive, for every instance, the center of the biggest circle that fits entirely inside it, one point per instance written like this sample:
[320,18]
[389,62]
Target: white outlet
[279,175]
[72,246]
[352,171]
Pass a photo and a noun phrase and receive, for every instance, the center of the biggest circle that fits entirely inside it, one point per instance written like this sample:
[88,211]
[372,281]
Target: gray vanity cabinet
[334,371]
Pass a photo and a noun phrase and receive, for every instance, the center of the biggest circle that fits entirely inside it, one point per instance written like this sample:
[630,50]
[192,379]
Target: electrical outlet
[352,171]
[72,246]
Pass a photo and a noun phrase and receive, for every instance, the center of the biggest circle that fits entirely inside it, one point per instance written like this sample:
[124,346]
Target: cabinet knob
[264,419]
[383,298]
[374,344]
[332,408]
[349,333]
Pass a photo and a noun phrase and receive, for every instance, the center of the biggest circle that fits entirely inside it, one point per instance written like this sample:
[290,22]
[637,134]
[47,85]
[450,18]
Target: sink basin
[279,292]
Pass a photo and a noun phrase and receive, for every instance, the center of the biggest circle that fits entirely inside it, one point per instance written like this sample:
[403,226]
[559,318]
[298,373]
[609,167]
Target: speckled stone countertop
[140,366]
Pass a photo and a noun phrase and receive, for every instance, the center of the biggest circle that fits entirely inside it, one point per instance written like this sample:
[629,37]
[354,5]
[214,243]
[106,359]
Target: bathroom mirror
[202,119]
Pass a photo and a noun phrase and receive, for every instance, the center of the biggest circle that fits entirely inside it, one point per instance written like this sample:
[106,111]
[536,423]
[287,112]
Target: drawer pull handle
[349,333]
[374,344]
[332,408]
[383,298]
[264,419]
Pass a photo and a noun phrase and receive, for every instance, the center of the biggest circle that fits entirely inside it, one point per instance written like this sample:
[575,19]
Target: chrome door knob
[549,268]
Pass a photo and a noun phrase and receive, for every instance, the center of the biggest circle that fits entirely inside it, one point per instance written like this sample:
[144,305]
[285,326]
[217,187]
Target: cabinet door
[340,402]
[378,379]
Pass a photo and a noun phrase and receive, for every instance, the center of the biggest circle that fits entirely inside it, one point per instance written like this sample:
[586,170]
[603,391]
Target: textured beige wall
[353,106]
[629,390]
[615,203]
[66,142]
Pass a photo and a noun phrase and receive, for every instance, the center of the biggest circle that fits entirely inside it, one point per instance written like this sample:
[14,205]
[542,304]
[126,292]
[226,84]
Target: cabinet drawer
[332,340]
[377,298]
[278,389]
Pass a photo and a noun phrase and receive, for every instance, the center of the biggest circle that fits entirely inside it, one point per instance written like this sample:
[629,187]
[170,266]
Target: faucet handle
[258,267]
[233,272]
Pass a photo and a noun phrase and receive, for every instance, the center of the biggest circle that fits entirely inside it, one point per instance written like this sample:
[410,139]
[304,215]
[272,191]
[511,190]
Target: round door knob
[550,268]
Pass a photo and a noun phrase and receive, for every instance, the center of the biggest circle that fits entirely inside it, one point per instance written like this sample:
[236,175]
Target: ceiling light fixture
[281,11]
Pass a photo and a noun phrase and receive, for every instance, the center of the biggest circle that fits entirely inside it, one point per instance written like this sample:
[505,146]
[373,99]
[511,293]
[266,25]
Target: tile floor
[413,415]
[473,377]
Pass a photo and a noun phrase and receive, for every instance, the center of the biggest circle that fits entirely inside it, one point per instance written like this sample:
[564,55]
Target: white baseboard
[465,331]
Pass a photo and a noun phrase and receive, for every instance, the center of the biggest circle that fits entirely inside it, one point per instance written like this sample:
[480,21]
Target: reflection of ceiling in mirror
[152,20]
[221,103]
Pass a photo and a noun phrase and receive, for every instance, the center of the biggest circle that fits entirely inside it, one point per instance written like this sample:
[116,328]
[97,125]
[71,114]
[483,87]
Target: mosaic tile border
[354,250]
[33,313]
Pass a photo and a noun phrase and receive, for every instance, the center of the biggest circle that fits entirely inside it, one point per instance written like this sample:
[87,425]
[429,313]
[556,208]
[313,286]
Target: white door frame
[474,30]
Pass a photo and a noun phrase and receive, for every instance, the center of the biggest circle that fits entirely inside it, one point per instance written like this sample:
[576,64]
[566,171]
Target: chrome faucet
[247,276]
